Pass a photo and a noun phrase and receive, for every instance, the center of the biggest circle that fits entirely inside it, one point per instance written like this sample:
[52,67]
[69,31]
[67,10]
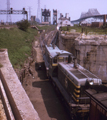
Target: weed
[1,65]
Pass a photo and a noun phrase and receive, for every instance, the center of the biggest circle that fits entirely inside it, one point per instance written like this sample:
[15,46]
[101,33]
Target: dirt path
[43,96]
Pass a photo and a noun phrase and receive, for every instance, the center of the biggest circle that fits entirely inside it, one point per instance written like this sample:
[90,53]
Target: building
[33,18]
[97,24]
[64,21]
[54,17]
[45,16]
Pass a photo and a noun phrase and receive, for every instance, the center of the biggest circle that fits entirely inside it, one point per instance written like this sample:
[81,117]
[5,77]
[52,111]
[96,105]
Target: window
[65,59]
[60,59]
[55,60]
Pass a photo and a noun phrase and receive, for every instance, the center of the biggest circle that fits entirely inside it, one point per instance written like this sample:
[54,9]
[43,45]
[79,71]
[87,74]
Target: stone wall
[91,53]
[90,50]
[66,41]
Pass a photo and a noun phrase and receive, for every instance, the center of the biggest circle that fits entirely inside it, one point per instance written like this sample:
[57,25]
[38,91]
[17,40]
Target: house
[64,21]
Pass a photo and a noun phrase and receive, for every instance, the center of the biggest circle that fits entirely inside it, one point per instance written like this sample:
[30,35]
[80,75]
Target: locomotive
[70,79]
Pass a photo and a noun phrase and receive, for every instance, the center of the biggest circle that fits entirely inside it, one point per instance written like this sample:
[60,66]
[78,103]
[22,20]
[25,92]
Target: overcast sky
[73,7]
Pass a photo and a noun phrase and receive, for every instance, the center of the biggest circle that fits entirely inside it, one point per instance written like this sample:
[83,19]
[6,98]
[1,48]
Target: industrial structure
[33,18]
[54,17]
[10,11]
[45,16]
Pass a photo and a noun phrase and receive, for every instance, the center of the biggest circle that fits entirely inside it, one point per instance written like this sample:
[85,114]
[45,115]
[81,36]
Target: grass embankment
[87,30]
[18,44]
[47,27]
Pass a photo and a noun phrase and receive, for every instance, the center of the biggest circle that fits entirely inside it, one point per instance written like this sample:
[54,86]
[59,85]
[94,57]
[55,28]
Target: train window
[60,59]
[55,60]
[65,59]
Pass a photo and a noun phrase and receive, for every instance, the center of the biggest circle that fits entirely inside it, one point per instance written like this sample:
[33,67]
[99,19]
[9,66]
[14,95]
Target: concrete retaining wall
[66,41]
[91,53]
[20,104]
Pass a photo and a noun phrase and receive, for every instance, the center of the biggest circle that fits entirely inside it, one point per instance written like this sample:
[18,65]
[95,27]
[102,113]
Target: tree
[23,25]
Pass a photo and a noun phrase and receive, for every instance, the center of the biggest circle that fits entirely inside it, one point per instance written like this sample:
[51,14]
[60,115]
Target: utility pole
[30,13]
[8,10]
[38,11]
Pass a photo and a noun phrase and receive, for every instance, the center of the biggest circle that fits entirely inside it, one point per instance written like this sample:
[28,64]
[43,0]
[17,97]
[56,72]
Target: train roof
[78,75]
[56,51]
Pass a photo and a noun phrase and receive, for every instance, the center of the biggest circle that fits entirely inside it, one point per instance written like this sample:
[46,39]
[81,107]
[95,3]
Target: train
[70,79]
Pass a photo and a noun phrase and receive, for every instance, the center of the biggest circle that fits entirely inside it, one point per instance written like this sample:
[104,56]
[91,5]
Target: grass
[18,43]
[47,27]
[87,30]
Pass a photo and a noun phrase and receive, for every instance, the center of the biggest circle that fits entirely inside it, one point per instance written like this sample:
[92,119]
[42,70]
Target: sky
[73,7]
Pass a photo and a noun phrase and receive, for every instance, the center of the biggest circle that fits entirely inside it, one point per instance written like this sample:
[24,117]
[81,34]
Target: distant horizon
[73,8]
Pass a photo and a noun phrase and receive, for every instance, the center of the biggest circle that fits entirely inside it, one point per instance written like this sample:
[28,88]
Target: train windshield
[65,59]
[62,59]
[55,60]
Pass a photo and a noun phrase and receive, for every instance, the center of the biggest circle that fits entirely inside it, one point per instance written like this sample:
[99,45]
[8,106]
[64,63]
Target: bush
[23,25]
[104,26]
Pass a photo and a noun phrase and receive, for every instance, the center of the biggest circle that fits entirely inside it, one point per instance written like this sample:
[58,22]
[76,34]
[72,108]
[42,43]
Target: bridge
[92,13]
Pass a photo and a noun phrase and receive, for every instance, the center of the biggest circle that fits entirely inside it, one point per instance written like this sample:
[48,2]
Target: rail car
[70,78]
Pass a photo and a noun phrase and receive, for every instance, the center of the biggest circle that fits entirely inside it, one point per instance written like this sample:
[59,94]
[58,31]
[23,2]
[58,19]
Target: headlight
[57,27]
[91,82]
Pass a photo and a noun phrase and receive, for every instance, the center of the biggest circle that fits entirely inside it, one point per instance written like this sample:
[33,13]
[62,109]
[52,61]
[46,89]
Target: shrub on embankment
[18,43]
[23,25]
